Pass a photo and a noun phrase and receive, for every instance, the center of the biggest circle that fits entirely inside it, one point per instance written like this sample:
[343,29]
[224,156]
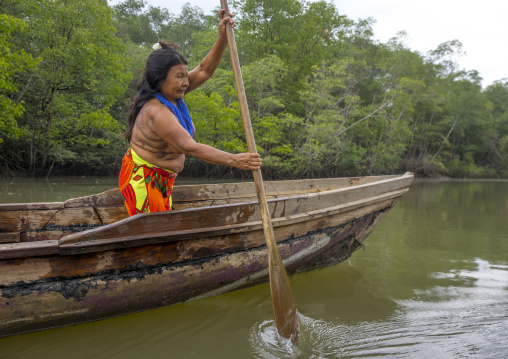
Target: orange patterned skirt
[145,187]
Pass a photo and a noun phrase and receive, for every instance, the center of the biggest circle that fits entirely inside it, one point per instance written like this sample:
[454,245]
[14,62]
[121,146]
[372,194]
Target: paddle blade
[284,308]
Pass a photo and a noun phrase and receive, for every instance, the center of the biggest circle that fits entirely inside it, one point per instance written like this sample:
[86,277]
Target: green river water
[431,282]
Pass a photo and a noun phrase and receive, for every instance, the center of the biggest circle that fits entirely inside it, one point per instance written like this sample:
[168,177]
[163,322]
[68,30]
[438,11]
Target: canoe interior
[33,222]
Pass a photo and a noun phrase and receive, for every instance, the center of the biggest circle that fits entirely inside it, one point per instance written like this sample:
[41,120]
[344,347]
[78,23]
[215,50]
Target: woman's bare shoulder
[154,110]
[151,109]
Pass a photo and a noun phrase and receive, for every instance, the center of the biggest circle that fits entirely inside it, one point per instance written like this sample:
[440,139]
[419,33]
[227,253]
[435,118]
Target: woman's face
[176,83]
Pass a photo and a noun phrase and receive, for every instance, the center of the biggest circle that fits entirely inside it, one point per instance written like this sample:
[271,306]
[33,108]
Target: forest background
[326,99]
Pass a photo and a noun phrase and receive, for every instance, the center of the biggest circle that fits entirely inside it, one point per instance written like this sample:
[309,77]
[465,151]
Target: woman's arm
[209,64]
[243,161]
[180,142]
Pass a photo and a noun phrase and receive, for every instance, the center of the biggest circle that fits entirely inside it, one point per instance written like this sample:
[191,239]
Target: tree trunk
[50,169]
[442,143]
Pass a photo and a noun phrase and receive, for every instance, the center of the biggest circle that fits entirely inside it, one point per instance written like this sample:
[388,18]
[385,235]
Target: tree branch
[363,119]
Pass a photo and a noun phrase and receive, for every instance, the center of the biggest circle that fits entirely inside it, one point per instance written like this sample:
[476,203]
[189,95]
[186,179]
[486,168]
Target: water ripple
[440,322]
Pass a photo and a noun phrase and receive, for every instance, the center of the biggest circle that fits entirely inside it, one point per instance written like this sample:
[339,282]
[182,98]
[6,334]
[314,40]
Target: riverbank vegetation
[326,98]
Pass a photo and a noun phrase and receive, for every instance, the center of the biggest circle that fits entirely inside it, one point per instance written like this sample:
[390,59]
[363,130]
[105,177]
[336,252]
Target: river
[430,282]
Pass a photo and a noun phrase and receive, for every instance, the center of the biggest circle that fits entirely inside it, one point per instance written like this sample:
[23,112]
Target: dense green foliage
[325,97]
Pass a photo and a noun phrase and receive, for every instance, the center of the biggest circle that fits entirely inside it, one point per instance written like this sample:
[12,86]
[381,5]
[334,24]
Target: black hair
[157,67]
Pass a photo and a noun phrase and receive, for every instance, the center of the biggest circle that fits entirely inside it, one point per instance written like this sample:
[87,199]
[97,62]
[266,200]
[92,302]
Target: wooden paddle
[284,308]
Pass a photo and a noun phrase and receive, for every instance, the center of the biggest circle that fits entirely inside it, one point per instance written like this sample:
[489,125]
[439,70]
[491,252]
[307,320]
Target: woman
[160,130]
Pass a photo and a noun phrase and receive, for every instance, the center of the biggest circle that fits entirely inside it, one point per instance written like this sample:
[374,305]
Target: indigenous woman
[160,130]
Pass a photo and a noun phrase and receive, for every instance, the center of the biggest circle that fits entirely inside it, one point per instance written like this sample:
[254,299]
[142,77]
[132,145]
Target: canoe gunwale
[145,239]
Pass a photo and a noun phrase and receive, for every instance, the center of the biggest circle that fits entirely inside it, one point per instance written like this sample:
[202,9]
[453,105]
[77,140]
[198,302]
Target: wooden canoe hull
[89,280]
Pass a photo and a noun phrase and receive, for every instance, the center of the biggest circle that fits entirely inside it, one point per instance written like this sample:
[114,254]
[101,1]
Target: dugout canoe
[83,259]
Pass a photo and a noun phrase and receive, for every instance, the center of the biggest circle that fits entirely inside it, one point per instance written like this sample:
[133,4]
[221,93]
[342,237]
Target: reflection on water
[341,294]
[432,283]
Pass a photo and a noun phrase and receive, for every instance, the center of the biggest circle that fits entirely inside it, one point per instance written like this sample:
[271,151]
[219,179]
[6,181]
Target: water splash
[316,339]
[267,343]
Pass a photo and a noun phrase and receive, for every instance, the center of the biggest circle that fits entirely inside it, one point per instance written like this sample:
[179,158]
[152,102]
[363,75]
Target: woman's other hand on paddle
[246,161]
[223,21]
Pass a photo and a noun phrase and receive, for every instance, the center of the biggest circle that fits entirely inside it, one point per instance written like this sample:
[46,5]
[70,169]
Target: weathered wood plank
[28,249]
[44,235]
[205,192]
[112,214]
[19,220]
[32,269]
[178,206]
[78,217]
[36,225]
[112,197]
[166,222]
[30,206]
[12,237]
[242,190]
[273,189]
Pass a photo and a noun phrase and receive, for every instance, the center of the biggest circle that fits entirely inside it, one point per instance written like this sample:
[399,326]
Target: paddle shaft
[284,308]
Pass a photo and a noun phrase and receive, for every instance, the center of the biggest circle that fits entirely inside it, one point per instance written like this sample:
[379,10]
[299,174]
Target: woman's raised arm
[209,64]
